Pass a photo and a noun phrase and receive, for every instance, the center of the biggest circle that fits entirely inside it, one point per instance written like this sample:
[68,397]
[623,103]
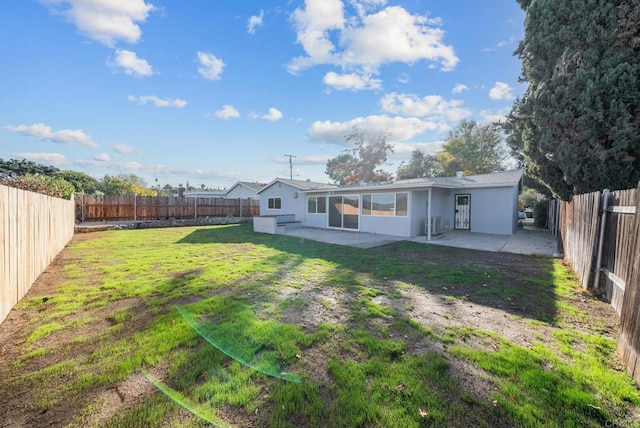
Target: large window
[385,204]
[317,205]
[274,203]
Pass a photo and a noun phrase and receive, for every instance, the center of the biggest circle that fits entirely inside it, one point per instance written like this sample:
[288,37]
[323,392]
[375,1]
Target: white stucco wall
[441,206]
[493,210]
[290,203]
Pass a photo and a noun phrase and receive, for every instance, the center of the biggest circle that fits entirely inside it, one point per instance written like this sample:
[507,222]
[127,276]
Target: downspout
[429,216]
[603,224]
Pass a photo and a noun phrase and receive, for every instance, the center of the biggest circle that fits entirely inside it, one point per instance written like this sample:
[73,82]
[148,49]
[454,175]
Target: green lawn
[223,326]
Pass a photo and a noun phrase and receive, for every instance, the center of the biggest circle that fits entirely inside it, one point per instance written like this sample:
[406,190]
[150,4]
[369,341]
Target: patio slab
[524,241]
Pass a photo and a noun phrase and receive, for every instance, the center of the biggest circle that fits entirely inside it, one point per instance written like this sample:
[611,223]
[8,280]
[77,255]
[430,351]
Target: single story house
[486,203]
[244,190]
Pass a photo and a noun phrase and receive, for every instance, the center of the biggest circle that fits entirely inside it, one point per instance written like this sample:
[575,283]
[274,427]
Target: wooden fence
[116,208]
[34,228]
[600,235]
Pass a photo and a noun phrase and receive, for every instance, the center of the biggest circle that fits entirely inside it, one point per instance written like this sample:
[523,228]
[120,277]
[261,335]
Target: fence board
[618,245]
[628,343]
[578,227]
[34,229]
[121,208]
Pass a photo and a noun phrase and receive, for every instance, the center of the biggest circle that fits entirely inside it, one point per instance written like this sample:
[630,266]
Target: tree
[578,124]
[368,153]
[82,183]
[14,167]
[420,165]
[340,167]
[473,149]
[125,184]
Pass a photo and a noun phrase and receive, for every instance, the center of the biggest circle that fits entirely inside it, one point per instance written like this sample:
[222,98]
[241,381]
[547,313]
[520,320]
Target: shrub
[46,185]
[540,213]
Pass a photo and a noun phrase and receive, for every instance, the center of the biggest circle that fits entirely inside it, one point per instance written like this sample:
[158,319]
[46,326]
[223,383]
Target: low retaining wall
[123,225]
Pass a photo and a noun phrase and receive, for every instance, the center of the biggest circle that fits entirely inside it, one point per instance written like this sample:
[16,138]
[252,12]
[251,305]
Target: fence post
[82,207]
[603,225]
[195,207]
[135,207]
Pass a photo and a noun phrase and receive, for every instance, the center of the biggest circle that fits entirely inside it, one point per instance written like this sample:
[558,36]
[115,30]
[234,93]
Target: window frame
[274,199]
[314,200]
[369,199]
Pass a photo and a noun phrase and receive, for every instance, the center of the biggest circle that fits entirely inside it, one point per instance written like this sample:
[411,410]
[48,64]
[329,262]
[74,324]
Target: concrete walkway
[524,241]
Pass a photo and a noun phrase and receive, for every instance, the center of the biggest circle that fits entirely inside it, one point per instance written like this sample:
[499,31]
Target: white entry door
[463,212]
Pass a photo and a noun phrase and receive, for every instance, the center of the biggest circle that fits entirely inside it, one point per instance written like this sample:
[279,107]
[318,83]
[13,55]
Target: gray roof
[498,179]
[252,185]
[303,185]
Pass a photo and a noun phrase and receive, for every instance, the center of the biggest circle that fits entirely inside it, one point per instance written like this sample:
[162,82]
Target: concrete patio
[524,241]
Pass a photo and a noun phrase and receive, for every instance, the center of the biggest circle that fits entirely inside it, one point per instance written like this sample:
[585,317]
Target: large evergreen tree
[578,125]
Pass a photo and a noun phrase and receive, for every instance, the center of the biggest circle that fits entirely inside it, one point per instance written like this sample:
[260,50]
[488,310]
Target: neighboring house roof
[302,185]
[252,186]
[498,179]
[204,194]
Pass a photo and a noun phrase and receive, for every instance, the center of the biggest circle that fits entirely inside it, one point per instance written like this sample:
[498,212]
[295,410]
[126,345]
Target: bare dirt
[439,309]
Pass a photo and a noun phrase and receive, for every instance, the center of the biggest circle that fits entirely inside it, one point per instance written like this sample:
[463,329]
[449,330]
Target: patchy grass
[218,318]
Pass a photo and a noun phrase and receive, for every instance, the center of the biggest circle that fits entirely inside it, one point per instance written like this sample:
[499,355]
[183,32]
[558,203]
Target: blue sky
[212,92]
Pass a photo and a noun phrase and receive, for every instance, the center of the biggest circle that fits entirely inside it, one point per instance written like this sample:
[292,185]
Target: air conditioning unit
[435,226]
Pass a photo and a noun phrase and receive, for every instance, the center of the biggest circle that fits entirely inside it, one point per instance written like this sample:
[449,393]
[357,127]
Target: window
[274,203]
[317,205]
[385,204]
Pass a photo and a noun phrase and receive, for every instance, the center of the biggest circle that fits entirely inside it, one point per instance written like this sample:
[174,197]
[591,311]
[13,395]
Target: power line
[290,165]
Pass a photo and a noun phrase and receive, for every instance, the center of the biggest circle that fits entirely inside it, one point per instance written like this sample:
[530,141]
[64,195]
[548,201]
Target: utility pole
[290,165]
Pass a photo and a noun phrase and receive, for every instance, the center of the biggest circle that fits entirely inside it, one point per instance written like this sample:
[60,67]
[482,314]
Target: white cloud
[352,81]
[501,91]
[210,66]
[73,137]
[124,149]
[364,6]
[131,64]
[367,41]
[254,22]
[394,35]
[487,116]
[226,112]
[55,159]
[312,26]
[102,157]
[272,116]
[404,78]
[459,88]
[106,21]
[396,128]
[158,102]
[403,150]
[430,106]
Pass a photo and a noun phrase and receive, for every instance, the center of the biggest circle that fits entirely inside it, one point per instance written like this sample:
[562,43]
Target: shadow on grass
[520,285]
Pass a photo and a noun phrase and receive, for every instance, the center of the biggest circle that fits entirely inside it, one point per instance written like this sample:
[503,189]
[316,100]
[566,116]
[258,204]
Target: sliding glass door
[344,211]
